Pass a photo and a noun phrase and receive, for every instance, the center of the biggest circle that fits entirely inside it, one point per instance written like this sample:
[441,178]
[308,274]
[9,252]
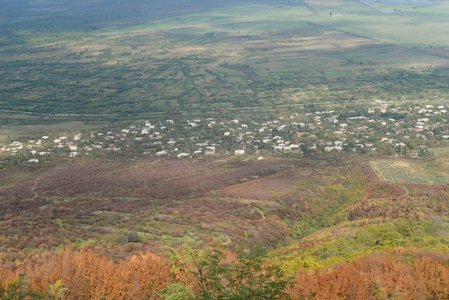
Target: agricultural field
[208,57]
[400,171]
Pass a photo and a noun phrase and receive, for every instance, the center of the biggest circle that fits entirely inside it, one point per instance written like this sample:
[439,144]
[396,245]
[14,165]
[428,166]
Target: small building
[73,154]
[210,152]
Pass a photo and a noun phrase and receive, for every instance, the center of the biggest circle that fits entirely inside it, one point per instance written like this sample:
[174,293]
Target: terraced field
[398,172]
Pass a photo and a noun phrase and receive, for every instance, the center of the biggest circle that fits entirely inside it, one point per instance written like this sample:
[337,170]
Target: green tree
[213,277]
[19,289]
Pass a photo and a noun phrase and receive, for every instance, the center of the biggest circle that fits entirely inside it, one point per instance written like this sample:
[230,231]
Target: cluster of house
[385,129]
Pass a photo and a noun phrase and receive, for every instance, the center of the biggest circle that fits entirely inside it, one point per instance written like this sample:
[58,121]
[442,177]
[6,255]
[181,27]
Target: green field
[203,53]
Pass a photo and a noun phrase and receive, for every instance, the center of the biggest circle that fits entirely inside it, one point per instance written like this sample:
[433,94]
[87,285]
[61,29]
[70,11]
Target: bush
[391,236]
[121,240]
[367,238]
[403,228]
[432,230]
[419,231]
[133,237]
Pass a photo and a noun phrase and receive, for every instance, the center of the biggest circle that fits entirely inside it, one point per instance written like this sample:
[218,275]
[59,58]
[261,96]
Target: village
[407,130]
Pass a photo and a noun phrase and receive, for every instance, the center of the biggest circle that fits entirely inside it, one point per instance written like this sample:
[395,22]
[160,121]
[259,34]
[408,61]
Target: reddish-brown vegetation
[88,275]
[97,200]
[164,178]
[377,277]
[242,203]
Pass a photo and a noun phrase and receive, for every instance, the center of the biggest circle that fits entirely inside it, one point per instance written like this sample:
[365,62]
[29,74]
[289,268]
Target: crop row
[391,172]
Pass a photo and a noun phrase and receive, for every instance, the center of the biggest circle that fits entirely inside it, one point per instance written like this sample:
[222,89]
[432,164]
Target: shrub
[419,231]
[121,240]
[133,237]
[403,228]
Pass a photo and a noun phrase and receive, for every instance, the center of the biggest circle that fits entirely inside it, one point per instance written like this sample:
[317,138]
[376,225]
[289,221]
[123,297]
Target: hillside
[321,201]
[198,149]
[312,213]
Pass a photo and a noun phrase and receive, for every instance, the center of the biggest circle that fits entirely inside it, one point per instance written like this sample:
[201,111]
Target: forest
[215,274]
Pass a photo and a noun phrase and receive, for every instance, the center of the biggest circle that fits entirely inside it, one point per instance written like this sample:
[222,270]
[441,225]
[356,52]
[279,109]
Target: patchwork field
[207,56]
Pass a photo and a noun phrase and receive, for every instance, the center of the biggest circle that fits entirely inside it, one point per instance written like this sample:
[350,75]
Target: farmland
[403,172]
[204,60]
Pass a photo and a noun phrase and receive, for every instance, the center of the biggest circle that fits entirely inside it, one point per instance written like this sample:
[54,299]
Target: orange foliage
[435,277]
[88,275]
[376,277]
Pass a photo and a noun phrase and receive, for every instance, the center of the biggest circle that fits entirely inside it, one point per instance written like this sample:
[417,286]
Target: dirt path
[32,189]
